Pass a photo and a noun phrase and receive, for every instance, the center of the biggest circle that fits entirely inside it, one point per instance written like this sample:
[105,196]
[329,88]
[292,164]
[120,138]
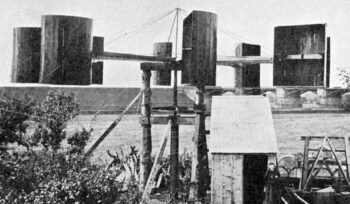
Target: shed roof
[241,124]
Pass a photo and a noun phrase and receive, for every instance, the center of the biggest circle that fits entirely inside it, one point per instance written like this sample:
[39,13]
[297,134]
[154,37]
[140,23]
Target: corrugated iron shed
[241,124]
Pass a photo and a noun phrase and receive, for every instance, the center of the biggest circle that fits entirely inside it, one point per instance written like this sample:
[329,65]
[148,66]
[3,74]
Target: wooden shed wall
[227,179]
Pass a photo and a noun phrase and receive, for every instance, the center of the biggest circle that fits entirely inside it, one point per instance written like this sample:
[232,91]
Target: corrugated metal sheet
[241,124]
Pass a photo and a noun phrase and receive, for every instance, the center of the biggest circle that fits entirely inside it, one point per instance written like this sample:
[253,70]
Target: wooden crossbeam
[132,57]
[151,66]
[305,56]
[231,61]
[163,120]
[321,137]
[221,60]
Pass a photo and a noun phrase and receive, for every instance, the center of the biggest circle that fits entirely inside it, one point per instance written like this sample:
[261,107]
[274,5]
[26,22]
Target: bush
[50,177]
[344,77]
[53,114]
[52,174]
[14,111]
[78,141]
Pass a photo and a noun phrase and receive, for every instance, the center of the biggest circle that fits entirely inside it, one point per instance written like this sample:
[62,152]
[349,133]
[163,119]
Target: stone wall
[114,99]
[100,98]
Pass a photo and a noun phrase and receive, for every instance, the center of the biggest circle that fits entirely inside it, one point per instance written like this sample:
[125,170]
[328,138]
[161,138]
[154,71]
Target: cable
[93,120]
[241,39]
[171,30]
[143,26]
[147,22]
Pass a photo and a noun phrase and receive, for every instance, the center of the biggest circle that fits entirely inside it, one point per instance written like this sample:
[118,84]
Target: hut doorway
[254,170]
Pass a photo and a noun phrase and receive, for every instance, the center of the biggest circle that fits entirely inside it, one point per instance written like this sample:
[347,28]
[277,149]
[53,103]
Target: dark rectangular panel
[199,48]
[97,73]
[250,73]
[299,40]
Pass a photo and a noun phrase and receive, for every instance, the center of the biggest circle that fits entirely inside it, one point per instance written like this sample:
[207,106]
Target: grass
[289,128]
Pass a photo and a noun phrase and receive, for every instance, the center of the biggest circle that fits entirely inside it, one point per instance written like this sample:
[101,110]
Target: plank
[230,60]
[222,60]
[162,120]
[305,57]
[321,137]
[132,57]
[111,127]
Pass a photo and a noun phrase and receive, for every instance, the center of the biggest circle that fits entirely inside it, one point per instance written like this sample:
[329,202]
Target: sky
[251,21]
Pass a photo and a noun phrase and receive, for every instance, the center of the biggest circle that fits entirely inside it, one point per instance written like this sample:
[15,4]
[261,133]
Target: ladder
[313,166]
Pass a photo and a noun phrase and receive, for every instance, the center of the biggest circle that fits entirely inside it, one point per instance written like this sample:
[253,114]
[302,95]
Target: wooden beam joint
[164,66]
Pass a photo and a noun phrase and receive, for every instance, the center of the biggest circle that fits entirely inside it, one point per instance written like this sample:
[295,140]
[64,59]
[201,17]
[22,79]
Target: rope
[241,39]
[143,26]
[111,98]
[171,30]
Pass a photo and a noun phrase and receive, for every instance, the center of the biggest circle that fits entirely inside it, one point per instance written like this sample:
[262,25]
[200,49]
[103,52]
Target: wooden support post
[328,61]
[174,158]
[200,171]
[306,162]
[156,167]
[146,142]
[238,79]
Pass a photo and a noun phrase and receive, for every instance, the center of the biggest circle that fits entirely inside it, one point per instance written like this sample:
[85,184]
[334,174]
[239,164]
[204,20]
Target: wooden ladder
[310,173]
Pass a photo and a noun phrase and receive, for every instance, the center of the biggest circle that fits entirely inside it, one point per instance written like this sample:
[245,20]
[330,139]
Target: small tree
[53,114]
[344,77]
[14,111]
[78,141]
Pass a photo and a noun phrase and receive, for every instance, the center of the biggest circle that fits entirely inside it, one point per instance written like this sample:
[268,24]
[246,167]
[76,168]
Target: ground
[289,128]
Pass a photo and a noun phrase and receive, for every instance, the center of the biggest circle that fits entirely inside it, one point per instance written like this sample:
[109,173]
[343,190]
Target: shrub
[14,111]
[51,177]
[78,141]
[54,112]
[344,77]
[52,174]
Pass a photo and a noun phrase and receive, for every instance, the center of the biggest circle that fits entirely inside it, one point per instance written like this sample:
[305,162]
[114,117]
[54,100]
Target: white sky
[252,20]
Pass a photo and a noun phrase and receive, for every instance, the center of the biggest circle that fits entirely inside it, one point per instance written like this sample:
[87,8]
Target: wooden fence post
[146,143]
